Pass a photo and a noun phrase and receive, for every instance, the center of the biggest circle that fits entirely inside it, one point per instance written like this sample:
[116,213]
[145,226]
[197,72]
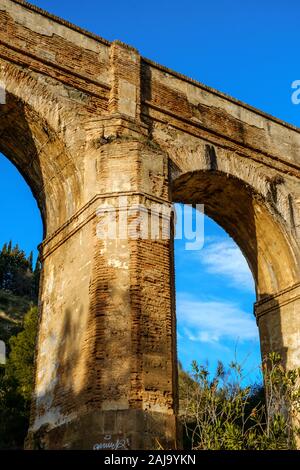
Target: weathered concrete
[87,121]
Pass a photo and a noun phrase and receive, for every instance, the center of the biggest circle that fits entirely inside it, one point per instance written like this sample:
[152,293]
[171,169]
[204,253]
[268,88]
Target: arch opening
[18,145]
[252,223]
[32,138]
[21,232]
[215,292]
[259,232]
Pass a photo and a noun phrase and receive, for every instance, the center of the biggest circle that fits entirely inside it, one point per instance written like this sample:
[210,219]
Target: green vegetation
[17,274]
[16,383]
[12,311]
[18,326]
[19,366]
[219,413]
[19,284]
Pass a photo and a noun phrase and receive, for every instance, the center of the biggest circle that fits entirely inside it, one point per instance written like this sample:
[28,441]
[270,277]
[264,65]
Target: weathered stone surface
[87,121]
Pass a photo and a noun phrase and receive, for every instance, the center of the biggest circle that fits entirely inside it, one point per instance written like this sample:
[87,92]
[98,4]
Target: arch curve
[250,220]
[31,142]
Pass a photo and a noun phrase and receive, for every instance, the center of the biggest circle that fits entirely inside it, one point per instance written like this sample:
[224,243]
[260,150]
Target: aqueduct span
[86,121]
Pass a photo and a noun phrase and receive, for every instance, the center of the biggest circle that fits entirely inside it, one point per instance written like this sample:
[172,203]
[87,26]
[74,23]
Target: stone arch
[253,222]
[30,139]
[85,122]
[249,205]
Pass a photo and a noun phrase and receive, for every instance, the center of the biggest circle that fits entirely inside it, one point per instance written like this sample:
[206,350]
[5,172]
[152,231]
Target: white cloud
[212,321]
[2,352]
[223,257]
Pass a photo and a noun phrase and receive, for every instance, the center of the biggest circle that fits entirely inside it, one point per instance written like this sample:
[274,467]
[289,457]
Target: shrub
[219,412]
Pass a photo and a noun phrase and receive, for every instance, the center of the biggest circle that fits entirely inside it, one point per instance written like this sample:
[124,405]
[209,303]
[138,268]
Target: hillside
[19,284]
[12,310]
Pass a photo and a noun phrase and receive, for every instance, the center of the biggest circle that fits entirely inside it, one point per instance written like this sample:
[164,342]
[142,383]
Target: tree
[16,384]
[14,414]
[36,278]
[19,286]
[16,272]
[30,261]
[19,365]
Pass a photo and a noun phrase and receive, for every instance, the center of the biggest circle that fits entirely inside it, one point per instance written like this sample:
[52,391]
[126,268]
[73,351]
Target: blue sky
[247,49]
[214,302]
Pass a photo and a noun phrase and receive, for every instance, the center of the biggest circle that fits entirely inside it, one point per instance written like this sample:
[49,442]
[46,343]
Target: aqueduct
[86,121]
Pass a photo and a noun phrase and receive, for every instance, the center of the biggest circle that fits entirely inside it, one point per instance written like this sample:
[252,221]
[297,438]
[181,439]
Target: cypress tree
[30,261]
